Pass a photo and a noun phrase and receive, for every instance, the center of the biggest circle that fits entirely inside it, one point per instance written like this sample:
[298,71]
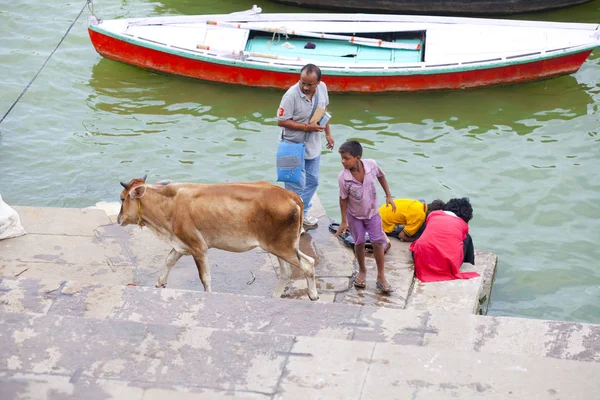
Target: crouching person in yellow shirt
[407,222]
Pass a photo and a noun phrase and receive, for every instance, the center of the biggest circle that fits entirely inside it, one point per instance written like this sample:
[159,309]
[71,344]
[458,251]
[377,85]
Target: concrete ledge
[399,271]
[460,295]
[61,221]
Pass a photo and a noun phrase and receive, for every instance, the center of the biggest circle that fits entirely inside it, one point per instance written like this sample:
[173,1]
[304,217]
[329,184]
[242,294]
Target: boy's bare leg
[359,252]
[380,261]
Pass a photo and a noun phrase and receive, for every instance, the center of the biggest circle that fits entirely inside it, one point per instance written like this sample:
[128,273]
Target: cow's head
[130,209]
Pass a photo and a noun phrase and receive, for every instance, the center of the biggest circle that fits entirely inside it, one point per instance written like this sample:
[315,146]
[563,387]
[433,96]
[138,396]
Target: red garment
[438,253]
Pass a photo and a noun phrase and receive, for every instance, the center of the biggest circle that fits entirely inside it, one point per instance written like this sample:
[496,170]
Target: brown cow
[231,216]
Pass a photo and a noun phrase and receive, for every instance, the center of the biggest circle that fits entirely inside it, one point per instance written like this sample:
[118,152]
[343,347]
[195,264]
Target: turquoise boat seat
[338,51]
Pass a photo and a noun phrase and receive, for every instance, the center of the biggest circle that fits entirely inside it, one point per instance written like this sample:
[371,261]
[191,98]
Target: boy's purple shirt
[362,197]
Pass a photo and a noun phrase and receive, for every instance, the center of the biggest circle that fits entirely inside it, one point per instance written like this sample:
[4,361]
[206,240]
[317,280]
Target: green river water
[526,155]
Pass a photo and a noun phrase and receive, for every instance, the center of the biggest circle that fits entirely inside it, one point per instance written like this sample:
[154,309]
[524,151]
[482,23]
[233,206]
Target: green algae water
[526,155]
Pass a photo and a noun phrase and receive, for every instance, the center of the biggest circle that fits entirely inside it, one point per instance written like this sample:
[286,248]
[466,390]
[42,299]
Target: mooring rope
[278,33]
[45,62]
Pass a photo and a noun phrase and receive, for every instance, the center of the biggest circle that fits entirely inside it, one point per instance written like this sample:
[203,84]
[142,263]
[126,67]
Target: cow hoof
[313,298]
[160,285]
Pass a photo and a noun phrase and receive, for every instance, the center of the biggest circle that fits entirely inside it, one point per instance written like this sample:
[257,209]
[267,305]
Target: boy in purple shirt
[360,211]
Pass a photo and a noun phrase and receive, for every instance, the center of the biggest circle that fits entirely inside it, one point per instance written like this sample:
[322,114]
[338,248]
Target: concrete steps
[72,340]
[76,357]
[184,308]
[71,328]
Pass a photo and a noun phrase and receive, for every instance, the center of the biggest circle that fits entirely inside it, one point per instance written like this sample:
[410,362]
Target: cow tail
[300,205]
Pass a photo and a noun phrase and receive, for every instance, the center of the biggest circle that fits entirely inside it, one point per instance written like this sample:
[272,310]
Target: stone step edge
[176,308]
[38,316]
[57,284]
[74,286]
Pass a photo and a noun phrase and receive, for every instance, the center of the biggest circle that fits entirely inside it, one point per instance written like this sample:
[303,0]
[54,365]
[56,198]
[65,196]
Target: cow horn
[144,178]
[125,185]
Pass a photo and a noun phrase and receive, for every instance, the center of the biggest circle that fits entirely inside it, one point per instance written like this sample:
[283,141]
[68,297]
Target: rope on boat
[90,5]
[272,41]
[46,62]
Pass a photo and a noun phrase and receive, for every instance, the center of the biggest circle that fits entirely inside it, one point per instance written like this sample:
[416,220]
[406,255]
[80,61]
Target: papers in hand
[320,117]
[325,119]
[317,115]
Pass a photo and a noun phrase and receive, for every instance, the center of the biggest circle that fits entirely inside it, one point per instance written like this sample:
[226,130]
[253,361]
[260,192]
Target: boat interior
[341,51]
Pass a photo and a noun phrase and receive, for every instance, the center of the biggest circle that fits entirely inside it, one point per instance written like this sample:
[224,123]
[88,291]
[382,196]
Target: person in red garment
[445,244]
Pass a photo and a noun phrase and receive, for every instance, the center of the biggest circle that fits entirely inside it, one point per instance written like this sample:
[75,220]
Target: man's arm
[297,126]
[414,222]
[405,238]
[328,137]
[285,114]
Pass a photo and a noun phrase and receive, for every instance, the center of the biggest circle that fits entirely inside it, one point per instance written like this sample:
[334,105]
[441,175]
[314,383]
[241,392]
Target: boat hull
[439,7]
[152,59]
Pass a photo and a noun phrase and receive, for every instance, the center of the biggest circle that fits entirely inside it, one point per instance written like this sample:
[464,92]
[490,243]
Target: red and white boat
[356,52]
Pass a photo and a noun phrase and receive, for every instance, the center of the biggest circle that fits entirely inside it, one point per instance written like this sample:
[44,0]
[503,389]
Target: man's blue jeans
[309,181]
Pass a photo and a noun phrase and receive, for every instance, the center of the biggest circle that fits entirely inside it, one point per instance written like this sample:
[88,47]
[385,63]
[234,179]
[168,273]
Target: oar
[352,39]
[360,40]
[245,53]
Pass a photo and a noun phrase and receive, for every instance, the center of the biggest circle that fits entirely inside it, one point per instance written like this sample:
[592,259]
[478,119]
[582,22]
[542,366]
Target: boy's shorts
[359,227]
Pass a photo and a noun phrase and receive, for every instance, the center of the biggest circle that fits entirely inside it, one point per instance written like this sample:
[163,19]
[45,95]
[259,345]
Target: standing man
[294,116]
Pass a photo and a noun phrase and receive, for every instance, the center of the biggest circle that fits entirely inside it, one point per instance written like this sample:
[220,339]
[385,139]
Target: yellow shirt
[410,213]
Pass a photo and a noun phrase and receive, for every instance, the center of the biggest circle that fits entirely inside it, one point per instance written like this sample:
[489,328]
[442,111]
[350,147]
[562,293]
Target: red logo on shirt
[281,111]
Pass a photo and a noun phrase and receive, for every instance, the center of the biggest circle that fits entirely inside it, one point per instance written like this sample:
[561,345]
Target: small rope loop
[90,5]
[278,33]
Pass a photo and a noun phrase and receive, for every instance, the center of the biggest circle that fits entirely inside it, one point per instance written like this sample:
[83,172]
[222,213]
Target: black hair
[436,205]
[461,207]
[312,69]
[353,147]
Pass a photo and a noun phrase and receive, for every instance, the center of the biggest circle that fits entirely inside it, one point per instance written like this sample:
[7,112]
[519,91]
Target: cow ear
[138,192]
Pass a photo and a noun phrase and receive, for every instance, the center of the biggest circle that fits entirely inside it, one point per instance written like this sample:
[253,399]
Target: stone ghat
[87,245]
[80,319]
